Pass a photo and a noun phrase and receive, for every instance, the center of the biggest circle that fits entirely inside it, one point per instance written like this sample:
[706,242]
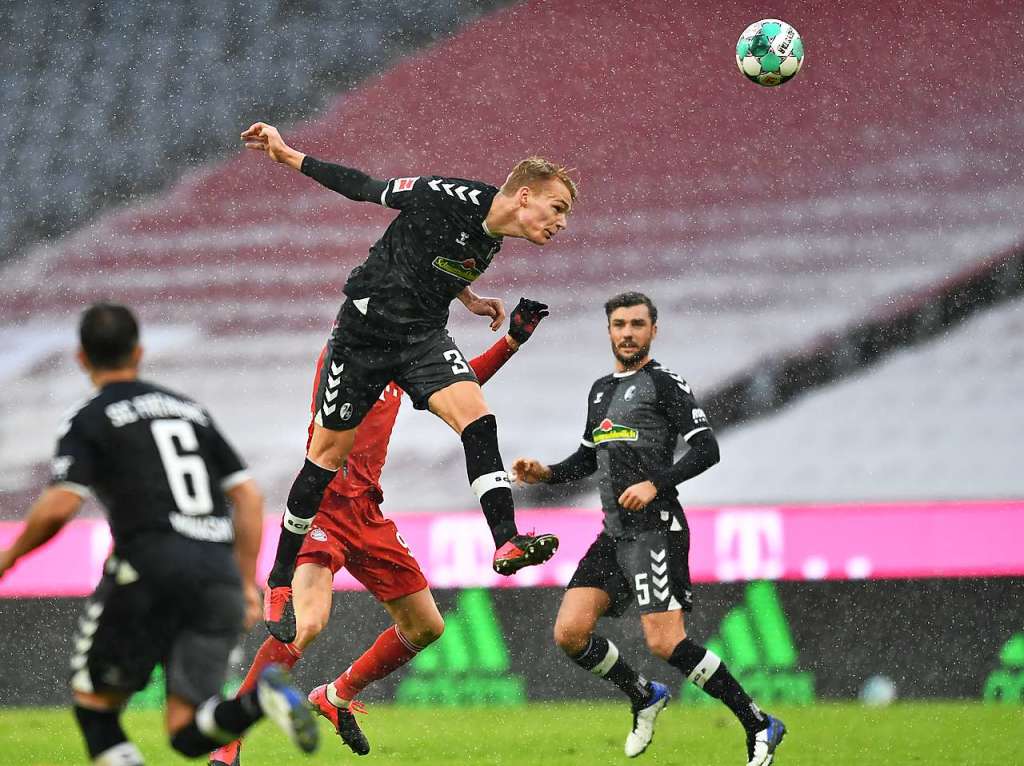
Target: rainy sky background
[763,222]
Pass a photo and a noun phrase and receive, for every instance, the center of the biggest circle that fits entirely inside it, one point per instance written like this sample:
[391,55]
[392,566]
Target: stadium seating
[758,219]
[104,102]
[935,422]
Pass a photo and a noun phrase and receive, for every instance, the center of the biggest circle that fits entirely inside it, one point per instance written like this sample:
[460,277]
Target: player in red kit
[350,531]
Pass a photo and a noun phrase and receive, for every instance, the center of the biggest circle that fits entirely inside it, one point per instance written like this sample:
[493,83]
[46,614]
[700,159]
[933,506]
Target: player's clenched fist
[636,497]
[530,471]
[525,318]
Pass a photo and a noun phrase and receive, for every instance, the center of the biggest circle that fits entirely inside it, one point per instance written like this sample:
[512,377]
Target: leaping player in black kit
[172,588]
[634,418]
[392,327]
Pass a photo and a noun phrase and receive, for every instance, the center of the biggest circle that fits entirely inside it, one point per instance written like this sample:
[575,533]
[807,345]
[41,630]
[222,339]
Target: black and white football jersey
[634,421]
[433,249]
[154,459]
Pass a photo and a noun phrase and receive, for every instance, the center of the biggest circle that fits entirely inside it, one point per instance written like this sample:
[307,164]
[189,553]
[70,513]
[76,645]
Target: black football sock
[104,737]
[217,722]
[488,478]
[601,657]
[703,668]
[303,501]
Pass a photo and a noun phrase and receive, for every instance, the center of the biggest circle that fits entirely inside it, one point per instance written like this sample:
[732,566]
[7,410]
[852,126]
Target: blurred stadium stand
[102,102]
[761,221]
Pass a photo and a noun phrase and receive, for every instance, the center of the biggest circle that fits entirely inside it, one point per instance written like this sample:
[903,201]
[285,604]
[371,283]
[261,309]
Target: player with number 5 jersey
[635,417]
[392,327]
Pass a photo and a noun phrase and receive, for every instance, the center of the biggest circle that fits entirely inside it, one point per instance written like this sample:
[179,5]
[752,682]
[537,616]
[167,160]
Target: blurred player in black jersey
[180,580]
[392,327]
[634,418]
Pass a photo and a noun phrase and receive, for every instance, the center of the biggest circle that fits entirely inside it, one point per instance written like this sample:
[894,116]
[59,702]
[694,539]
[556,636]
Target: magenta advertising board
[820,542]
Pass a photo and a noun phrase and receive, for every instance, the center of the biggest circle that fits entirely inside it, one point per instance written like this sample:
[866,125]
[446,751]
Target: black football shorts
[358,365]
[140,616]
[652,570]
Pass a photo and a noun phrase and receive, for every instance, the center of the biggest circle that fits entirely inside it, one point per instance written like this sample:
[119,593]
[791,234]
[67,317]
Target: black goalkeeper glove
[525,318]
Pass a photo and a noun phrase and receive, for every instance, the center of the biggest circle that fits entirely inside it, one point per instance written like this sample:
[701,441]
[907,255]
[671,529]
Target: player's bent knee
[571,639]
[428,632]
[422,630]
[459,404]
[328,449]
[308,628]
[662,646]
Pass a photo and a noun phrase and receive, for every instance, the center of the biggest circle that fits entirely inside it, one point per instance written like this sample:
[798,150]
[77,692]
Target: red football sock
[389,652]
[272,651]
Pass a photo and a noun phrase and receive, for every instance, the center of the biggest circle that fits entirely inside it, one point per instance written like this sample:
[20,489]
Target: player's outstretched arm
[48,515]
[579,465]
[262,137]
[248,523]
[351,183]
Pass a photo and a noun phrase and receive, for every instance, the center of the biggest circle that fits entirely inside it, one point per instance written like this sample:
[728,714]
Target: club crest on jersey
[607,431]
[346,411]
[465,270]
[60,466]
[404,184]
[318,534]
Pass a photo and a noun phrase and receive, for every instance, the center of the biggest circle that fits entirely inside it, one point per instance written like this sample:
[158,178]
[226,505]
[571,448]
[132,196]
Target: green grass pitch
[557,734]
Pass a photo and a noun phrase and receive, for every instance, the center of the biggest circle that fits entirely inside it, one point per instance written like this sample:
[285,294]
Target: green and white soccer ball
[769,52]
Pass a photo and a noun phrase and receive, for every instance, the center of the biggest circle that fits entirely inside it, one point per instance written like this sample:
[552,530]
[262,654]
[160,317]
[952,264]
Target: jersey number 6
[186,473]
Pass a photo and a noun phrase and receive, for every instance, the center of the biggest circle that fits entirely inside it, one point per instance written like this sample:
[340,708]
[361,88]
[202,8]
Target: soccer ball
[769,52]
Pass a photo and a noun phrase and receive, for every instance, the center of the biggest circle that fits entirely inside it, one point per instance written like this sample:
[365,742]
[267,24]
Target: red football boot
[227,755]
[524,551]
[344,721]
[279,614]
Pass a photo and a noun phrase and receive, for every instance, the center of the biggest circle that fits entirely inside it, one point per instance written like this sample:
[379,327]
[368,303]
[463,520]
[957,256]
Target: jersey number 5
[643,590]
[186,473]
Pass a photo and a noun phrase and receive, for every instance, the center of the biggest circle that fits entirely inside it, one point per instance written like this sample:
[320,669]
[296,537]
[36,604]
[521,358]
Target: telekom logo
[461,551]
[748,544]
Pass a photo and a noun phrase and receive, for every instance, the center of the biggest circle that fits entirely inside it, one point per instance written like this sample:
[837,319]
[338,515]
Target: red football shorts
[351,532]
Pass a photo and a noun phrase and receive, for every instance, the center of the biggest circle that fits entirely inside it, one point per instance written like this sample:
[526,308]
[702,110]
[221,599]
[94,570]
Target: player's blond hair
[534,170]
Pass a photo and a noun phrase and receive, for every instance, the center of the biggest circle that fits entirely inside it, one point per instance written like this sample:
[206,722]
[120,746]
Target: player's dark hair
[625,300]
[109,334]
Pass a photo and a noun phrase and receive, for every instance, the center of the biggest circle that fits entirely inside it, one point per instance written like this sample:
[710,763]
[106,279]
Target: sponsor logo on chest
[464,269]
[607,431]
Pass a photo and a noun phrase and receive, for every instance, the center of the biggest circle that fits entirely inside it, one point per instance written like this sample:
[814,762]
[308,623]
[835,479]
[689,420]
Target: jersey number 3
[186,471]
[459,365]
